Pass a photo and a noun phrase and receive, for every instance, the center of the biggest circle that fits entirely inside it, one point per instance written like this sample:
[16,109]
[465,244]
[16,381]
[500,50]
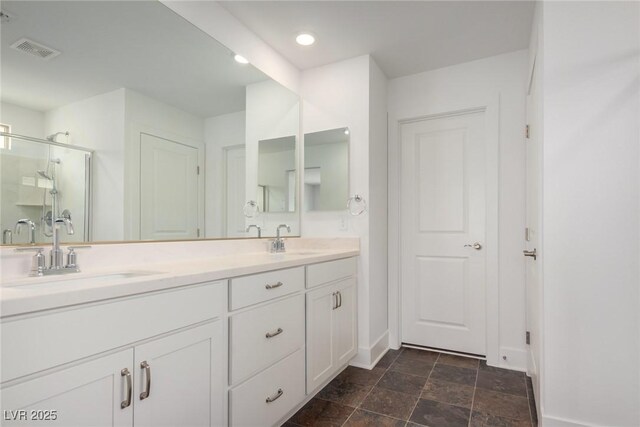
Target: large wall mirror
[326,170]
[136,125]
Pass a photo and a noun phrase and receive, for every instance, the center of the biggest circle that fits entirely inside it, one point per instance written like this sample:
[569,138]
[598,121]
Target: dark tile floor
[410,388]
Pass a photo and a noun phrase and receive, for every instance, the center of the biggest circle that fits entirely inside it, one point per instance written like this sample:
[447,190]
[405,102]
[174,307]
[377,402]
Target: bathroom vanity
[239,340]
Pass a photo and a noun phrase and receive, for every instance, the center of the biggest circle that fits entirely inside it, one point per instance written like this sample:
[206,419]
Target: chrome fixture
[55,256]
[32,229]
[533,254]
[356,205]
[53,136]
[7,236]
[277,244]
[477,246]
[257,227]
[39,264]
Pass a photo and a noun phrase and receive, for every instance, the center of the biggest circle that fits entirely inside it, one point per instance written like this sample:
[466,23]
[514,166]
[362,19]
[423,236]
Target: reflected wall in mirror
[326,170]
[172,123]
[277,174]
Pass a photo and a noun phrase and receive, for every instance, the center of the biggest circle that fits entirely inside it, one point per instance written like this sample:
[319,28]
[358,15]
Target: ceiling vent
[36,49]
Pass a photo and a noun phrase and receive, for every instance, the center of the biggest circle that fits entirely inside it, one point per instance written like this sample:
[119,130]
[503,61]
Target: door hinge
[527,131]
[528,337]
[198,232]
[197,170]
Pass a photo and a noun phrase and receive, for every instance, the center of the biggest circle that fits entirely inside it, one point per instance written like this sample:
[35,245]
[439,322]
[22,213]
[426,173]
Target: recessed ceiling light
[241,59]
[305,39]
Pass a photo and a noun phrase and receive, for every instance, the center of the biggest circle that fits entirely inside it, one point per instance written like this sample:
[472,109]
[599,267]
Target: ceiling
[404,37]
[106,45]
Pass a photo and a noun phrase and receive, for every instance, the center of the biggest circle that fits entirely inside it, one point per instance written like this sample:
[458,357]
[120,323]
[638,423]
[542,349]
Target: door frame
[132,176]
[491,108]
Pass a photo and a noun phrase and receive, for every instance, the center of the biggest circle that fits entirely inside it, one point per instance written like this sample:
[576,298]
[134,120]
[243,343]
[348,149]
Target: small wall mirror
[326,170]
[277,174]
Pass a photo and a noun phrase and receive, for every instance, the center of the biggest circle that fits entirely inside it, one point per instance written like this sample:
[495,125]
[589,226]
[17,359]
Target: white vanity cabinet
[266,346]
[331,320]
[151,363]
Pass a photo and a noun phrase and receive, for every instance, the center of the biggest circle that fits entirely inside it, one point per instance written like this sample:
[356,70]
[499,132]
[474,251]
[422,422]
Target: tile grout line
[369,392]
[473,398]
[419,397]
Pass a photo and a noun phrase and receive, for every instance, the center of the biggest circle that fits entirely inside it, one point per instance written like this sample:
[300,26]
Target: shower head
[52,137]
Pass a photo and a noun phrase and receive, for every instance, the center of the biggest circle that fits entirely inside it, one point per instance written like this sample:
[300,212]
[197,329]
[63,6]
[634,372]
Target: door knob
[477,246]
[533,254]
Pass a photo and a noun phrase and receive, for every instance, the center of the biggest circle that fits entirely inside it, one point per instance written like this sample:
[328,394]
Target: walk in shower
[41,179]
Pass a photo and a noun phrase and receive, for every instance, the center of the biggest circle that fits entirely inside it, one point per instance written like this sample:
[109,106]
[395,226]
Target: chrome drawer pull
[339,299]
[147,370]
[276,397]
[335,300]
[273,334]
[277,285]
[127,402]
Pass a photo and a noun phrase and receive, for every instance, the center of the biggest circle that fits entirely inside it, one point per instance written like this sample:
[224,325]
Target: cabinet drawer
[248,402]
[36,343]
[250,349]
[325,272]
[249,290]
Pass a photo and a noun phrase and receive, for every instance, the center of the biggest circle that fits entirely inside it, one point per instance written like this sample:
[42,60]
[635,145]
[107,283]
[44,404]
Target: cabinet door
[89,394]
[179,379]
[320,353]
[345,322]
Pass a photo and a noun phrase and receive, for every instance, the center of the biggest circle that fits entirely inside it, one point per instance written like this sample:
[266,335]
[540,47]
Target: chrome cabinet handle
[147,370]
[276,396]
[274,334]
[277,285]
[533,254]
[127,402]
[339,299]
[335,300]
[477,246]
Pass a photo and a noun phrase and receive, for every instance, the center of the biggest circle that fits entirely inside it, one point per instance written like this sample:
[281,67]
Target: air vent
[35,49]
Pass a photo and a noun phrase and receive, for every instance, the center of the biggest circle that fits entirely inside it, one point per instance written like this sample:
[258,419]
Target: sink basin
[72,279]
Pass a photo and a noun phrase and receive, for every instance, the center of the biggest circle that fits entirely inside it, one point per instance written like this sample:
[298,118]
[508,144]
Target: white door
[169,207]
[442,216]
[177,374]
[235,192]
[89,394]
[533,233]
[344,323]
[320,352]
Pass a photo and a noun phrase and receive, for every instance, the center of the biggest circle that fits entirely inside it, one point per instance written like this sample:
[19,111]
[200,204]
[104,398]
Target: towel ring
[251,209]
[356,205]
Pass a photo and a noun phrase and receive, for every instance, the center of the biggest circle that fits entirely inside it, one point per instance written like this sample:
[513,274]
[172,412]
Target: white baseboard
[550,421]
[368,357]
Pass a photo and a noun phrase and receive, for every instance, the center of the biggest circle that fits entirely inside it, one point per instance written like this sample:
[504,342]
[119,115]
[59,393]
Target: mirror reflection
[135,124]
[277,175]
[326,170]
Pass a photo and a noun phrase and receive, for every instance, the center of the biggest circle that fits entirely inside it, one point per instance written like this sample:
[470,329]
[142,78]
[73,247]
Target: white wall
[23,121]
[351,94]
[462,86]
[591,213]
[221,132]
[99,123]
[332,161]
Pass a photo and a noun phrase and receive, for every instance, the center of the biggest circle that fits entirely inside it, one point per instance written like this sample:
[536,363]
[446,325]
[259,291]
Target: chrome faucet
[257,227]
[277,245]
[56,255]
[32,229]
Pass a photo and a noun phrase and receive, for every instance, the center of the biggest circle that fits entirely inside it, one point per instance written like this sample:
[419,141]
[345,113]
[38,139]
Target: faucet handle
[72,257]
[39,262]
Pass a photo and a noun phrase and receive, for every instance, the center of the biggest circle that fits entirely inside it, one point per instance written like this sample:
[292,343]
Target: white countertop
[32,294]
